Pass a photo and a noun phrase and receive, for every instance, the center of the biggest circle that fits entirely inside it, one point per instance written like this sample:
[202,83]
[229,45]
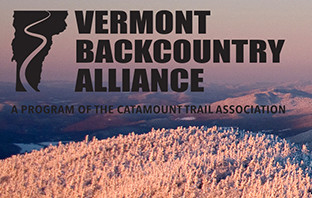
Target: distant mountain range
[33,129]
[297,102]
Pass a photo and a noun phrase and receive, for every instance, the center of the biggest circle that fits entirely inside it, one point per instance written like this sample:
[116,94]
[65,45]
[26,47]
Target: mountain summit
[182,162]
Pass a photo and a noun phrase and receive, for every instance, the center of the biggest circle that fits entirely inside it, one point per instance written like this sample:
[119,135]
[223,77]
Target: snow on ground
[186,118]
[28,147]
[182,162]
[34,146]
[305,137]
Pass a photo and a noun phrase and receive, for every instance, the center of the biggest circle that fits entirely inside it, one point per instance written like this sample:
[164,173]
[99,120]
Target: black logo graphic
[32,42]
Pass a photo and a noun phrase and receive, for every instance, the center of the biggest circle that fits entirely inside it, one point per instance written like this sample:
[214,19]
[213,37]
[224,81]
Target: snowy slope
[182,162]
[297,102]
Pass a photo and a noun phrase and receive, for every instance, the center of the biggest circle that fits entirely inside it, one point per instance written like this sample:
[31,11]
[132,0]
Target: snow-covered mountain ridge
[182,162]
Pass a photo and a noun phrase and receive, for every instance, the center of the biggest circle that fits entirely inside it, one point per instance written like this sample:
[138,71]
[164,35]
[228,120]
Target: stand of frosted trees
[182,162]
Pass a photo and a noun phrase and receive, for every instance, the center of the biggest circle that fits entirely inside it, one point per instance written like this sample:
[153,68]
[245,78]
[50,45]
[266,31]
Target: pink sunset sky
[239,19]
